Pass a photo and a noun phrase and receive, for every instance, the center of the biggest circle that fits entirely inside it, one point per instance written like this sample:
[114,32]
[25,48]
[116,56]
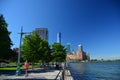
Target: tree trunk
[32,65]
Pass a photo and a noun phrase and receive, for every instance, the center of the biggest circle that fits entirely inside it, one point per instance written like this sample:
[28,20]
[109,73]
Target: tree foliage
[58,52]
[5,41]
[34,48]
[30,47]
[45,50]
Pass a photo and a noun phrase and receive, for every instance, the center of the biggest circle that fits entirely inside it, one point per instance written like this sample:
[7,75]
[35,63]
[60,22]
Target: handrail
[58,75]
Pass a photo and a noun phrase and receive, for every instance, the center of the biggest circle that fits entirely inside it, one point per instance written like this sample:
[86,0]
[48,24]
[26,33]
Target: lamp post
[18,72]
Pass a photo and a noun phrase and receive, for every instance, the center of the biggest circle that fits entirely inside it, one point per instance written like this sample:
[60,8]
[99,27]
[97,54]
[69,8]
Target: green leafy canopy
[5,41]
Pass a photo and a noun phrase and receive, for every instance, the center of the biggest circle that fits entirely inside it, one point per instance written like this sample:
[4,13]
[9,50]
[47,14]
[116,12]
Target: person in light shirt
[26,66]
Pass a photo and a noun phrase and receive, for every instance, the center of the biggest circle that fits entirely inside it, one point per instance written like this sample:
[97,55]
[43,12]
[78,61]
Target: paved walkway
[33,74]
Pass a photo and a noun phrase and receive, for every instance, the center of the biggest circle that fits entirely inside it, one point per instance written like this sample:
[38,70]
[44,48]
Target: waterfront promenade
[38,74]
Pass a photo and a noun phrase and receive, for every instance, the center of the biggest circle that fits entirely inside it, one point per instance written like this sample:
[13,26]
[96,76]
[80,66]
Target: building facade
[42,32]
[81,55]
[80,52]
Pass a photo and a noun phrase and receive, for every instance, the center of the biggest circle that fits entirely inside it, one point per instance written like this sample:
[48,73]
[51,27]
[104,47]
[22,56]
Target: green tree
[58,52]
[45,50]
[34,48]
[30,48]
[5,41]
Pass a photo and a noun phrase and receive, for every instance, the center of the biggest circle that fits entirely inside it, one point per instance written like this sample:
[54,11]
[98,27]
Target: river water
[95,70]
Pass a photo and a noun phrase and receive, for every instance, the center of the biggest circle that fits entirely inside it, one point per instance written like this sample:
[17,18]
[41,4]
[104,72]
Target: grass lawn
[11,68]
[8,68]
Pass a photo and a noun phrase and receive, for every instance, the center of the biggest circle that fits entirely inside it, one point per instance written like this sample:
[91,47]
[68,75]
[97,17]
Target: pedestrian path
[42,75]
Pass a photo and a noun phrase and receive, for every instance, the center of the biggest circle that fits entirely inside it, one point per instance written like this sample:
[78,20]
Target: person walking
[26,66]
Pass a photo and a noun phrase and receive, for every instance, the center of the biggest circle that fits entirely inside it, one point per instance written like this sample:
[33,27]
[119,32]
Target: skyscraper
[69,48]
[59,37]
[42,32]
[80,52]
[80,47]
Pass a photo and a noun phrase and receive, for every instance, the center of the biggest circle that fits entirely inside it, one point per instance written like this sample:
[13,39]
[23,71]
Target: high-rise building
[59,37]
[69,48]
[83,55]
[87,56]
[80,52]
[42,32]
[80,47]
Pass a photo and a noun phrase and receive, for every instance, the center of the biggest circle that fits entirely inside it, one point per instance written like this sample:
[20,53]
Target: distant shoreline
[75,61]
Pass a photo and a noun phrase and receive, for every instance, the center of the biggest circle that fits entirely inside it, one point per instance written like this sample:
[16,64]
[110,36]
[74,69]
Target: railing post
[63,73]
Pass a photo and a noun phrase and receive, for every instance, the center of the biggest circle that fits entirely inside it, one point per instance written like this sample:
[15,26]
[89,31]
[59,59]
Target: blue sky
[93,23]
